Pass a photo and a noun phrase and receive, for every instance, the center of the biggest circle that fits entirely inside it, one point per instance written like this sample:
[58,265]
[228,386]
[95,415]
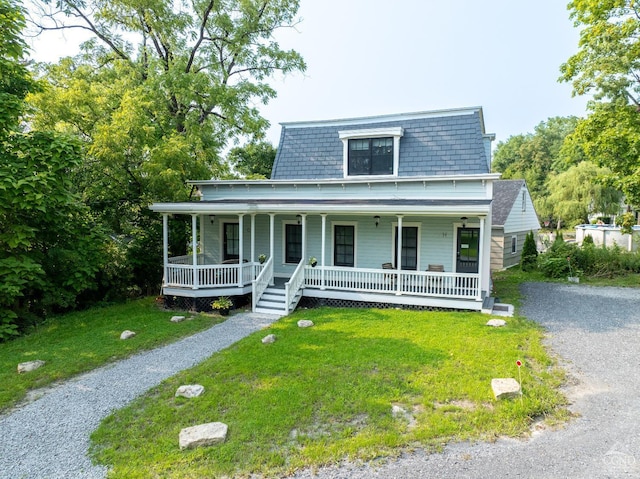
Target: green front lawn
[324,393]
[77,342]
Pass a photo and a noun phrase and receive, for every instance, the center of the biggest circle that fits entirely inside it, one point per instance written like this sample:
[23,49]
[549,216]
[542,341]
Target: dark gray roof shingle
[432,145]
[505,193]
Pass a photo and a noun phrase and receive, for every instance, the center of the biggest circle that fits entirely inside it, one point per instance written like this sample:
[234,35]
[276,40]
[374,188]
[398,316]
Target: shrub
[529,258]
[588,240]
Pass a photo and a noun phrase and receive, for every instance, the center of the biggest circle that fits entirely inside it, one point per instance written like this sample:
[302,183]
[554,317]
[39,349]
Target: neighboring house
[513,216]
[395,209]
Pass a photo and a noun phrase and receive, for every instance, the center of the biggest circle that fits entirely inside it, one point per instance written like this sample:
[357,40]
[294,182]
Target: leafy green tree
[607,65]
[577,193]
[254,160]
[535,156]
[49,250]
[155,96]
[610,138]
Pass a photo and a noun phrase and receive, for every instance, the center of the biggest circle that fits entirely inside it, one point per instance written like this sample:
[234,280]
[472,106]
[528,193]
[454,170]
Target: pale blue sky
[371,57]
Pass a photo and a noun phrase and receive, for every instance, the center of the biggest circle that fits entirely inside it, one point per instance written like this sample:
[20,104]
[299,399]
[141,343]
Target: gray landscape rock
[190,390]
[203,435]
[30,366]
[177,319]
[305,323]
[126,334]
[496,323]
[269,339]
[504,388]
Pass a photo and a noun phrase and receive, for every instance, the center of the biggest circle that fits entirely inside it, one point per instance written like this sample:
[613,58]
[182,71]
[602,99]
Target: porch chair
[435,283]
[390,278]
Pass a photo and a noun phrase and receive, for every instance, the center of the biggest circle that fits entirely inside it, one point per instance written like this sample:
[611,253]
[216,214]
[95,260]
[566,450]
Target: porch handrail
[415,283]
[291,287]
[202,258]
[261,283]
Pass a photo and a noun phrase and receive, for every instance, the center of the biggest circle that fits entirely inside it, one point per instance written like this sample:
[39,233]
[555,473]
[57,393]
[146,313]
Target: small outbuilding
[513,216]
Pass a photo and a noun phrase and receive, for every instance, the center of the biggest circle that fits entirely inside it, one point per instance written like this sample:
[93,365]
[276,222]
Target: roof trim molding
[387,118]
[350,180]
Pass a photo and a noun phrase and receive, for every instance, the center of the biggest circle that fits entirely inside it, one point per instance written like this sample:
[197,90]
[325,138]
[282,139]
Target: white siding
[520,219]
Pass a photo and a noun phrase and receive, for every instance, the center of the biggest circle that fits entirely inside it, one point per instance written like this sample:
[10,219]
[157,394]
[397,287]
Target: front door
[468,250]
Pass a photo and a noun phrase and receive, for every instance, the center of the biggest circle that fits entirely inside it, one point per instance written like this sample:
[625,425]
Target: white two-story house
[395,210]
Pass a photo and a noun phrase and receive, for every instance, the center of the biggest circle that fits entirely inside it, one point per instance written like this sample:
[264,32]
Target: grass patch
[325,393]
[80,341]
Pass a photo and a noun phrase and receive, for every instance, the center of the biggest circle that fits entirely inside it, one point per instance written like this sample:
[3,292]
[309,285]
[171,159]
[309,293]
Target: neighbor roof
[445,142]
[505,193]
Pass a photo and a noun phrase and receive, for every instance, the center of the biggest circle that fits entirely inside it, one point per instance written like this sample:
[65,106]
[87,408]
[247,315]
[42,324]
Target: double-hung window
[371,152]
[370,156]
[293,243]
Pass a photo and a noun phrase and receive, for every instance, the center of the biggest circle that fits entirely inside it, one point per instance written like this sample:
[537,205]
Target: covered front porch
[242,253]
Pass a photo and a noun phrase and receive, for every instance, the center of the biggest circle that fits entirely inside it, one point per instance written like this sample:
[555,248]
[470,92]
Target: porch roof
[395,206]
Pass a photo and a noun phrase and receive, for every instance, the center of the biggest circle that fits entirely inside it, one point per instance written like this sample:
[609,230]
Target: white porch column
[240,248]
[202,226]
[253,237]
[324,240]
[194,249]
[304,237]
[165,248]
[399,258]
[484,260]
[272,228]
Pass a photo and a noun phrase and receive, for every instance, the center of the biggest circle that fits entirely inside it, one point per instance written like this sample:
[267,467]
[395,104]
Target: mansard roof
[435,143]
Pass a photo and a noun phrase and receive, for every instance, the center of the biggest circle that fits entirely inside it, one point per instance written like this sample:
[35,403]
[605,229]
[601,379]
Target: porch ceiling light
[376,218]
[464,221]
[212,218]
[299,218]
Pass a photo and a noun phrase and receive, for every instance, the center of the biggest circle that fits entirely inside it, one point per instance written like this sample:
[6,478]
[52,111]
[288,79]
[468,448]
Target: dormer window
[371,152]
[370,156]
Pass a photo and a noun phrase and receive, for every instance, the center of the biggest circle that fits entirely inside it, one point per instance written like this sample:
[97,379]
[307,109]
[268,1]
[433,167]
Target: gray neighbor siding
[509,219]
[430,146]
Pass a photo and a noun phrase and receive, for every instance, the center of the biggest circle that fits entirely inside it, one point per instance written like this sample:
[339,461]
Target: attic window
[371,152]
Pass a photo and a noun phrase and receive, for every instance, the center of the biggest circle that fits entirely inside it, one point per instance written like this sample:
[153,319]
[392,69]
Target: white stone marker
[504,388]
[203,435]
[190,390]
[126,334]
[30,366]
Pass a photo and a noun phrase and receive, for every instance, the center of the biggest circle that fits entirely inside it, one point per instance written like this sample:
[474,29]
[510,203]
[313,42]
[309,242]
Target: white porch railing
[188,259]
[261,283]
[211,275]
[417,283]
[292,287]
[414,283]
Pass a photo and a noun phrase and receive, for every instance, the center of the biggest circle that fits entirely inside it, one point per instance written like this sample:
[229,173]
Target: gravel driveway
[594,331]
[48,438]
[596,334]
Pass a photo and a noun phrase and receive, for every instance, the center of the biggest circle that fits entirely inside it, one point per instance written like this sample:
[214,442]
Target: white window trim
[514,247]
[284,240]
[471,223]
[345,135]
[355,240]
[394,225]
[224,220]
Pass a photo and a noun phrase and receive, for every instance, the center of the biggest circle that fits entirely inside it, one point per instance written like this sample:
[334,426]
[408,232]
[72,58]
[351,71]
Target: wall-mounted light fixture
[377,220]
[464,221]
[299,218]
[212,218]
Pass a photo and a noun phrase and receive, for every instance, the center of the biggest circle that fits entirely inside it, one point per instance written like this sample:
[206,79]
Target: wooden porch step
[487,304]
[272,302]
